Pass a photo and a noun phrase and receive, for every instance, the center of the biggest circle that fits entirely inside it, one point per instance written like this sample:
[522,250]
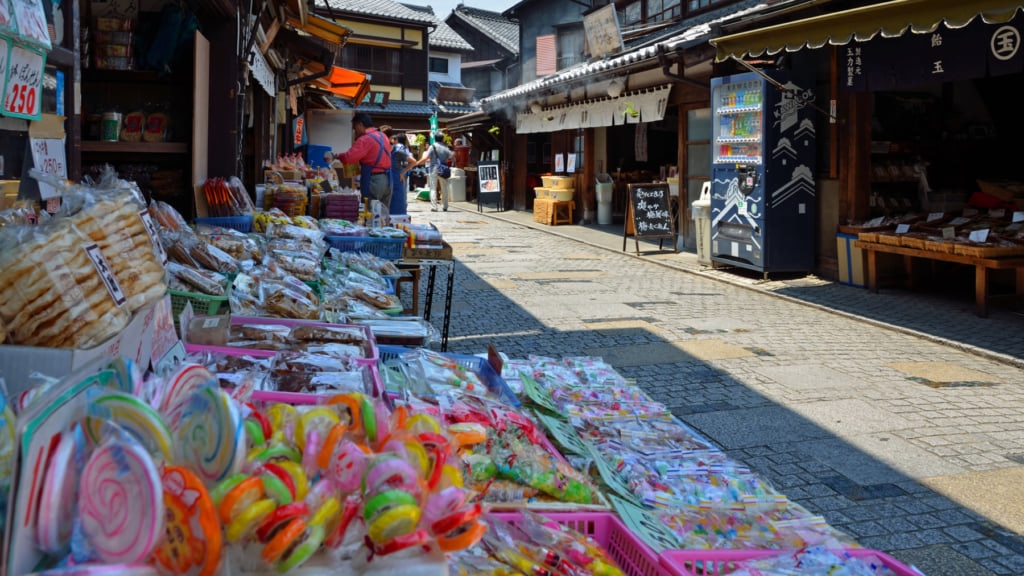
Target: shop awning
[344,83]
[646,105]
[322,28]
[888,19]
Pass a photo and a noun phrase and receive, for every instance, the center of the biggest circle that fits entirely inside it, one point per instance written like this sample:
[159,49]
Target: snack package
[205,282]
[58,288]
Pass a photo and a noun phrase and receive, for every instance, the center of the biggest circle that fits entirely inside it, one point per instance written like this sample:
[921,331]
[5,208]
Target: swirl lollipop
[179,388]
[134,416]
[211,437]
[7,418]
[57,501]
[120,502]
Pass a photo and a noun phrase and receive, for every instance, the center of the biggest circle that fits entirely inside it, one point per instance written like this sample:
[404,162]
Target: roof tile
[504,31]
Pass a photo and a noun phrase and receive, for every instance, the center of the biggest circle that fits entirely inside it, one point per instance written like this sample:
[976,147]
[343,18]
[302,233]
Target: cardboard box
[413,254]
[852,264]
[135,342]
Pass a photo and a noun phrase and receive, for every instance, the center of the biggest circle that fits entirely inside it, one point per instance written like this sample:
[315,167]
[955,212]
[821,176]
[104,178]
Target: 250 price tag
[23,98]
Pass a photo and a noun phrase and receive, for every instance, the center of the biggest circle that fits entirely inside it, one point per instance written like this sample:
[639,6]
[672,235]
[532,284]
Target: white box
[135,342]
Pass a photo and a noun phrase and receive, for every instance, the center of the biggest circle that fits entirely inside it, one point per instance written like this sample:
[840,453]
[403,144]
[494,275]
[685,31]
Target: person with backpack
[372,151]
[401,162]
[436,157]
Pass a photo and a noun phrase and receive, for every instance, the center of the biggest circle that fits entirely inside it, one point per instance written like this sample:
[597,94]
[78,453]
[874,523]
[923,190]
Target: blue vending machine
[763,193]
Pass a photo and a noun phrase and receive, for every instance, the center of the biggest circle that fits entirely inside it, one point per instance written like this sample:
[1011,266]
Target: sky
[443,8]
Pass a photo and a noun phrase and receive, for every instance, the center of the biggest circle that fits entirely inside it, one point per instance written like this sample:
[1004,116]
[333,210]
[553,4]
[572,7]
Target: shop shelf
[135,147]
[494,382]
[633,556]
[239,223]
[388,248]
[722,562]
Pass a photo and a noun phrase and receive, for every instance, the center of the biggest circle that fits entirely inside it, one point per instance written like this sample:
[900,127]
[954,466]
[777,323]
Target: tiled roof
[450,108]
[688,33]
[504,31]
[393,107]
[442,36]
[380,8]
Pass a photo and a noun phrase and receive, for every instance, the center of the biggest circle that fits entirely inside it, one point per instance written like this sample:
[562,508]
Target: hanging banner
[23,92]
[299,130]
[262,71]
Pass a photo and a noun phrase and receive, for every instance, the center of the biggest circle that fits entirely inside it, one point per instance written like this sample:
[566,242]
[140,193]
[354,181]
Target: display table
[981,268]
[431,258]
[553,212]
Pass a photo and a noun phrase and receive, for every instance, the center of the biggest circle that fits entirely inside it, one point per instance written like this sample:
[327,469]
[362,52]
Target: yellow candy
[423,423]
[282,416]
[298,475]
[321,419]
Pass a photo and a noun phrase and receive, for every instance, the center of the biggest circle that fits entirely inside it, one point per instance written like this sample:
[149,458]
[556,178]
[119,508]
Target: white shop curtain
[647,105]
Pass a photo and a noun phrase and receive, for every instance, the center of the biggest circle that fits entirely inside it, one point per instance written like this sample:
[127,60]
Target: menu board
[649,214]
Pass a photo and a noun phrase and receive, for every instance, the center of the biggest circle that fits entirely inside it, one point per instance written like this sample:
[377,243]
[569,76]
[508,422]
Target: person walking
[372,151]
[436,158]
[401,162]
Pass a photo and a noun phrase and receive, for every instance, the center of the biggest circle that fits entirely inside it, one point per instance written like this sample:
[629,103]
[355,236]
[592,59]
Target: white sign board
[23,97]
[48,157]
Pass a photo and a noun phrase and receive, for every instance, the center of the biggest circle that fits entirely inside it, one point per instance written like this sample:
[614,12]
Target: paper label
[48,157]
[154,235]
[948,233]
[1018,216]
[741,206]
[997,213]
[23,98]
[106,274]
[903,228]
[970,212]
[980,236]
[959,221]
[210,323]
[874,222]
[935,216]
[30,18]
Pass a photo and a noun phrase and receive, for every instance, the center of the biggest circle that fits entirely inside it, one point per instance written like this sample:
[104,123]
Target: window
[633,14]
[570,46]
[547,60]
[439,65]
[662,10]
[384,64]
[695,5]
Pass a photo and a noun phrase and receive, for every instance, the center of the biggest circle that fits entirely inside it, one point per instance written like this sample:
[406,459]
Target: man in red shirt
[372,151]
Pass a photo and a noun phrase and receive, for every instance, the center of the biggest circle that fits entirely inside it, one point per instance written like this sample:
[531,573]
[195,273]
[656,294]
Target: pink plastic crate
[722,562]
[629,552]
[296,398]
[372,355]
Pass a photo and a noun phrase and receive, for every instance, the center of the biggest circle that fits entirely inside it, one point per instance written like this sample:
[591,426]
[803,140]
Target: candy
[244,525]
[211,438]
[179,388]
[57,501]
[347,466]
[121,503]
[193,542]
[320,420]
[100,570]
[134,416]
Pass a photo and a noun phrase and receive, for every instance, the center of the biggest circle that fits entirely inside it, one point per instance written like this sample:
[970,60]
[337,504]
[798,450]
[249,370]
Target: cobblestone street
[897,416]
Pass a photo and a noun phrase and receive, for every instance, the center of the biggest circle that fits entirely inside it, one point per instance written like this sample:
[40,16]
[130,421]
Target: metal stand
[432,266]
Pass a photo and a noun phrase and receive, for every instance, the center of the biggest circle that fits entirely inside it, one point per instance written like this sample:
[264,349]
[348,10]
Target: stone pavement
[897,416]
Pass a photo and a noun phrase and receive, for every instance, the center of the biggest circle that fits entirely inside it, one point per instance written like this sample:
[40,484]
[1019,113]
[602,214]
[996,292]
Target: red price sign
[24,83]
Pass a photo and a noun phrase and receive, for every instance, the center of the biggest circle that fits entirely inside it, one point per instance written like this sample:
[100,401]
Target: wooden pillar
[517,158]
[224,113]
[855,154]
[588,186]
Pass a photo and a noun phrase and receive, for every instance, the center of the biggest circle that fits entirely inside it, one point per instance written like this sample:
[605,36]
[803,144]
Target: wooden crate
[543,210]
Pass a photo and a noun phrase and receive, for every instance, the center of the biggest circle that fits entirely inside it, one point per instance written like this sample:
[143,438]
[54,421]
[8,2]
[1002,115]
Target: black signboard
[649,215]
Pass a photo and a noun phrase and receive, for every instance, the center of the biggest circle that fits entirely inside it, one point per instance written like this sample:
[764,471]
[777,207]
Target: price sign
[48,157]
[31,20]
[23,96]
[980,236]
[948,233]
[1018,216]
[935,216]
[997,213]
[903,228]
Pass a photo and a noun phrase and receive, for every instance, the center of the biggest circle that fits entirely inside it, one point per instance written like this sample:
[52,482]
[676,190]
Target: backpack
[443,170]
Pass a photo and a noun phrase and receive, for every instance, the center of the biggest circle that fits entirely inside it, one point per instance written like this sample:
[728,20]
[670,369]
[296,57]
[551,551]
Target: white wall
[454,67]
[330,128]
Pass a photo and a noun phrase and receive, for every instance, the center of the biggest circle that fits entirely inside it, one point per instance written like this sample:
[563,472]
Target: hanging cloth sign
[261,71]
[23,92]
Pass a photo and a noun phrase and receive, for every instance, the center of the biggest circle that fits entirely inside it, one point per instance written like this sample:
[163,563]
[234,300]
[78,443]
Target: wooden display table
[981,267]
[553,212]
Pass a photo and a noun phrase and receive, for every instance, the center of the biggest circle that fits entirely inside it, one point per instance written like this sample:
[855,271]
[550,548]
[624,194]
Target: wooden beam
[271,33]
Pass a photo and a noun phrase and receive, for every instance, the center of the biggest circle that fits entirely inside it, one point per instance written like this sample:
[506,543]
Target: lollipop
[193,541]
[6,444]
[211,438]
[57,501]
[100,570]
[134,416]
[347,465]
[179,388]
[121,503]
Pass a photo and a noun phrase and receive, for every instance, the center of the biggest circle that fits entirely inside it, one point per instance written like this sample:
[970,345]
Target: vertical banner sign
[299,129]
[23,95]
[433,127]
[48,157]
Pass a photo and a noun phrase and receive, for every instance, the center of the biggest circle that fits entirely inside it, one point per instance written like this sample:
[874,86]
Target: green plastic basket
[202,304]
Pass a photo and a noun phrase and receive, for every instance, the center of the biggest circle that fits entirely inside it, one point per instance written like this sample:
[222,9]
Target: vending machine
[763,193]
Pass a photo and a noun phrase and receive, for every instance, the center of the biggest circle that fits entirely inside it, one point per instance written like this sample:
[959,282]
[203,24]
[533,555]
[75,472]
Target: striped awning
[887,19]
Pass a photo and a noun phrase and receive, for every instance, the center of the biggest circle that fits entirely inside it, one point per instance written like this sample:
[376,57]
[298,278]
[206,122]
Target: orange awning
[344,83]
